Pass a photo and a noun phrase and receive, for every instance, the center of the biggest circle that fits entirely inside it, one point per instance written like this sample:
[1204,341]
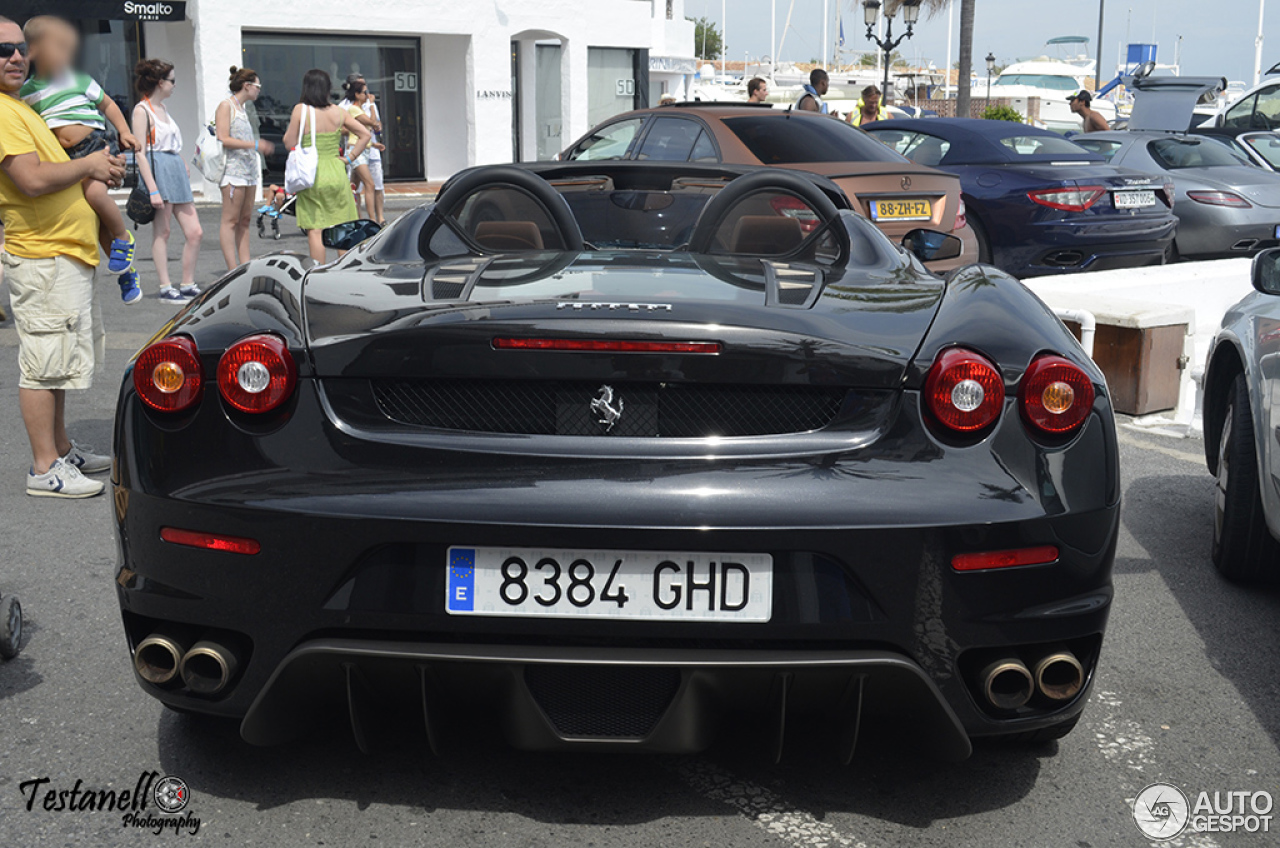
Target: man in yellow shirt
[51,251]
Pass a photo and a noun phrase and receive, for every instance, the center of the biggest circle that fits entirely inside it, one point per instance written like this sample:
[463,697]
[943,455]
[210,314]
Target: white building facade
[459,82]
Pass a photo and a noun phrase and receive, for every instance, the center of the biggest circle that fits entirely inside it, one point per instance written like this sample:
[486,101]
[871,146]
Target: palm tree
[935,7]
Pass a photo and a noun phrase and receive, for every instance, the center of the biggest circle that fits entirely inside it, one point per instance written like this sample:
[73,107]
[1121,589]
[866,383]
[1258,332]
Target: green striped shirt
[69,99]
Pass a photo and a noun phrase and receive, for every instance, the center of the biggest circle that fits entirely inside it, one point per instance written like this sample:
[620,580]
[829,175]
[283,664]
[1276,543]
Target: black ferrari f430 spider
[602,453]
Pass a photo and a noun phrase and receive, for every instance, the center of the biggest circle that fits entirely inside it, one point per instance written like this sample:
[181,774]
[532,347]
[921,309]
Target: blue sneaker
[169,294]
[190,292]
[122,250]
[130,291]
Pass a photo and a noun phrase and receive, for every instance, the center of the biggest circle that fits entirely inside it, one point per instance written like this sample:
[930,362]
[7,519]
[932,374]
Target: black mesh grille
[670,410]
[613,702]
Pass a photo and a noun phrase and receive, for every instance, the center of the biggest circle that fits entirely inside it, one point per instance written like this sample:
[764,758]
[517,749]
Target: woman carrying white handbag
[327,201]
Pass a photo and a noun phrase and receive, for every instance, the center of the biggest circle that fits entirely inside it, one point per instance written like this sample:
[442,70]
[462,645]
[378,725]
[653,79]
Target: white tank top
[165,135]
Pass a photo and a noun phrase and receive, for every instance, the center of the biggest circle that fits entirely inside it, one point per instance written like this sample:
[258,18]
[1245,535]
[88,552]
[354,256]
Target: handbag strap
[312,110]
[151,142]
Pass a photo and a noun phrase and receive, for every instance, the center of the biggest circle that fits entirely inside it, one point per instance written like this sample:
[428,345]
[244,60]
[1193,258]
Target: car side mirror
[349,235]
[1266,271]
[932,246]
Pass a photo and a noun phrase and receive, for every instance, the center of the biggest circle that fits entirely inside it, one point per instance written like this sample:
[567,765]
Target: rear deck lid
[774,323]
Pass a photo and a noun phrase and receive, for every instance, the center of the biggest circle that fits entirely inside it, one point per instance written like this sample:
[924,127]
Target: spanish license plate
[619,585]
[1133,199]
[901,210]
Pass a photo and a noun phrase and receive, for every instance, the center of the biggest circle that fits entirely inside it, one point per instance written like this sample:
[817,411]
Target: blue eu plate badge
[462,579]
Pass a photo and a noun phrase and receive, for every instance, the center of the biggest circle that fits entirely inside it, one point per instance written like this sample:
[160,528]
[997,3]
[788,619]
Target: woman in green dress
[329,201]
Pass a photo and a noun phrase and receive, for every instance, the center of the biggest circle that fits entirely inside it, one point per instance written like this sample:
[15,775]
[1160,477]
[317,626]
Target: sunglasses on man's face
[7,49]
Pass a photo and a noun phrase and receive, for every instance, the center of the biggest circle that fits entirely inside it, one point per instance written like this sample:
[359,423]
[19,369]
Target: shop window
[391,66]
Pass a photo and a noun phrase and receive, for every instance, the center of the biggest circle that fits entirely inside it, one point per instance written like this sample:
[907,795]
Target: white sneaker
[62,481]
[83,457]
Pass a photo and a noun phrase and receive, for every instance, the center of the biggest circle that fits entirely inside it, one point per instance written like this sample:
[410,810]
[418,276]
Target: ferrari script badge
[603,406]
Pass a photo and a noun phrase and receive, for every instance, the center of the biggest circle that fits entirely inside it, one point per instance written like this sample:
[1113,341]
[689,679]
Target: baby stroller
[281,203]
[10,627]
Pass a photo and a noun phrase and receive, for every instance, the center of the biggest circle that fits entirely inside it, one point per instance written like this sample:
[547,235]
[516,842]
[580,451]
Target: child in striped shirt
[77,111]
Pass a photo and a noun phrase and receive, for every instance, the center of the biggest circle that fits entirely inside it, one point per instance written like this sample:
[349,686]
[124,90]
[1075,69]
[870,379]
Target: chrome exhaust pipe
[208,667]
[1059,675]
[1006,683]
[158,657]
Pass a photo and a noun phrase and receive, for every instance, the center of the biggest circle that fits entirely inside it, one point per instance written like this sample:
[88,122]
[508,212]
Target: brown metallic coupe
[894,192]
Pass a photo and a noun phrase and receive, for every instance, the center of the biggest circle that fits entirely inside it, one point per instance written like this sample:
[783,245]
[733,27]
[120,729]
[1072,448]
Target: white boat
[1053,82]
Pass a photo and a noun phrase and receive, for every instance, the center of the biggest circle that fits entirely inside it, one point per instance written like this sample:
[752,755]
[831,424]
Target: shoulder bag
[138,207]
[303,162]
[210,158]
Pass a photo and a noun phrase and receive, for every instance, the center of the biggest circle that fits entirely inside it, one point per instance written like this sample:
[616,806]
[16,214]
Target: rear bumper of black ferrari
[347,616]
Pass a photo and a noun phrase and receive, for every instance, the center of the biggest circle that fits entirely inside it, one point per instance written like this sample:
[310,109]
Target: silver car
[1241,418]
[1226,205]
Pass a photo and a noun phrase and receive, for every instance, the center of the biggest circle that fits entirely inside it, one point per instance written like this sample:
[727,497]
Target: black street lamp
[870,12]
[991,69]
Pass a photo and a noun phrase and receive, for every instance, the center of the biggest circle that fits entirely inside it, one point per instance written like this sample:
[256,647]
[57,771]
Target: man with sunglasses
[51,251]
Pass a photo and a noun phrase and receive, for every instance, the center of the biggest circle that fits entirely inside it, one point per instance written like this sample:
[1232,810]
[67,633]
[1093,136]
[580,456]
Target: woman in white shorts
[244,171]
[358,94]
[374,153]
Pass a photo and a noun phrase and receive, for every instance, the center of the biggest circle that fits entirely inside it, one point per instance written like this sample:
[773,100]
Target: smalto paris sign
[108,10]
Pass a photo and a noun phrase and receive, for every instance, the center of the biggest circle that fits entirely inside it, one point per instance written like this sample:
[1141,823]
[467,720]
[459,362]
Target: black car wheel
[1243,547]
[10,627]
[984,245]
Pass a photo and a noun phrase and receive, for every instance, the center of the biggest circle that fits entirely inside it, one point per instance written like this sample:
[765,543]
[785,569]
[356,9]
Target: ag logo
[1161,811]
[171,794]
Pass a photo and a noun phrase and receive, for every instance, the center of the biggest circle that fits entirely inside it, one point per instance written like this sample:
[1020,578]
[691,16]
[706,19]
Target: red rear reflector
[209,541]
[1041,555]
[606,346]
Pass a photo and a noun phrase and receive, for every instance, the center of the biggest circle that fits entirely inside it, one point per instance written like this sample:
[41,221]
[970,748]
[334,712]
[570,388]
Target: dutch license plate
[619,585]
[1133,199]
[901,210]
[1278,231]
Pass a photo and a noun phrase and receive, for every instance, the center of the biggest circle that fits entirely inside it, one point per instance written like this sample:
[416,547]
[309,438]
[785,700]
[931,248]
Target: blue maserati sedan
[1037,202]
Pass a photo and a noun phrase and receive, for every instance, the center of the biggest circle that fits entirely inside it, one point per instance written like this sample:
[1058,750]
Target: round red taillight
[167,375]
[1056,395]
[964,391]
[257,374]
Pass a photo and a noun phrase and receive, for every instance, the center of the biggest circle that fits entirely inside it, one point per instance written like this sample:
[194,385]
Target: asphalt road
[1187,693]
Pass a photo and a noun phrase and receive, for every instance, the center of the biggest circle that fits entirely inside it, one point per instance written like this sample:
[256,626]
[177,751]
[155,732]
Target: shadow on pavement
[19,674]
[1171,516]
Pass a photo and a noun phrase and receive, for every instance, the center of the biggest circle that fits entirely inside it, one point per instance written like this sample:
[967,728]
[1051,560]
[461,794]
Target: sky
[1214,44]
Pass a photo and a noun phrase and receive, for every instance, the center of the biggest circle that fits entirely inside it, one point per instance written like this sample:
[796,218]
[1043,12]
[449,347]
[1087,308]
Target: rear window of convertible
[787,140]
